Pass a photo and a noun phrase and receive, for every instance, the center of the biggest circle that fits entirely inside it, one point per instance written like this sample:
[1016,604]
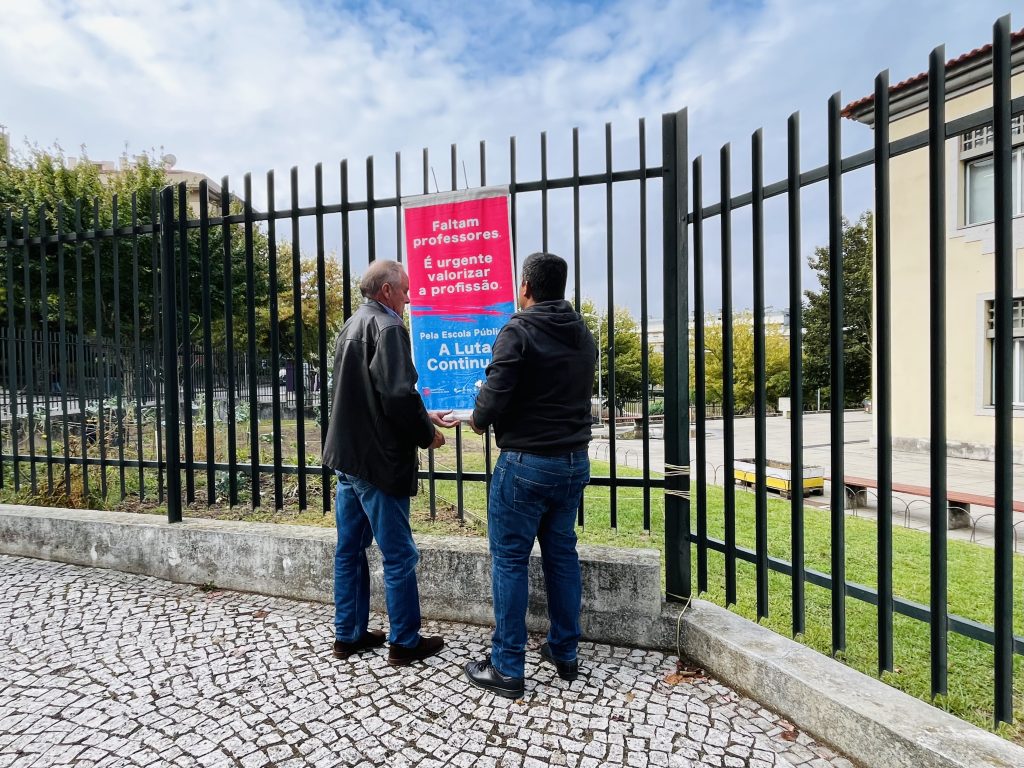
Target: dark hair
[545,273]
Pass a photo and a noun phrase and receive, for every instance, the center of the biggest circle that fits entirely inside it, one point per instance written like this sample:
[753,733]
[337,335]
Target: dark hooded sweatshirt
[539,382]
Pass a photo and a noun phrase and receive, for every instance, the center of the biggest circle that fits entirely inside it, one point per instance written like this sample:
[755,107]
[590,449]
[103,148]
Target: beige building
[175,176]
[970,286]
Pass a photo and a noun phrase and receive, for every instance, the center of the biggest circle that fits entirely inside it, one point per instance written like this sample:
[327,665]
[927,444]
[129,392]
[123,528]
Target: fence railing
[185,289]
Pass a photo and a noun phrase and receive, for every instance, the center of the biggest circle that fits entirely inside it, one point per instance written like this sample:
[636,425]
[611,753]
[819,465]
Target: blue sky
[231,87]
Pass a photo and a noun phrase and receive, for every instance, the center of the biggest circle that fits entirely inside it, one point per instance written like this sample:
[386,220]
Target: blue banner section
[452,351]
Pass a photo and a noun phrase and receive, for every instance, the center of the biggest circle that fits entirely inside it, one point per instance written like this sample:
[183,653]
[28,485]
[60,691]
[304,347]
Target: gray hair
[379,273]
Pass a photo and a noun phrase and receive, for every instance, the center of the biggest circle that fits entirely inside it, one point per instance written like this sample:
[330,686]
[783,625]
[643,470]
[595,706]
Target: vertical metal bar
[346,244]
[62,340]
[7,364]
[250,333]
[27,359]
[155,262]
[699,376]
[321,298]
[1003,232]
[837,393]
[796,375]
[275,343]
[460,499]
[170,348]
[883,367]
[12,358]
[645,360]
[577,290]
[431,483]
[544,190]
[229,340]
[136,344]
[371,227]
[118,355]
[728,398]
[577,270]
[187,390]
[483,163]
[486,437]
[937,366]
[80,347]
[398,207]
[760,395]
[100,350]
[207,310]
[613,491]
[455,167]
[45,347]
[6,396]
[512,195]
[300,364]
[677,418]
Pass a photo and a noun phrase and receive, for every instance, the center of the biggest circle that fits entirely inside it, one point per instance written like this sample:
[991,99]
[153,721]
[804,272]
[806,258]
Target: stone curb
[622,604]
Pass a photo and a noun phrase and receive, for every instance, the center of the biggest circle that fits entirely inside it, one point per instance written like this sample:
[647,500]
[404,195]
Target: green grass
[970,568]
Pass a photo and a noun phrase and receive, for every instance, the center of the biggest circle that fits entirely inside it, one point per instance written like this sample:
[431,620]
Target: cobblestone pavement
[100,668]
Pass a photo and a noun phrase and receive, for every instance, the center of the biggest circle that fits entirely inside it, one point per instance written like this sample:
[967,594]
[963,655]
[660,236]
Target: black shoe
[400,656]
[373,638]
[567,670]
[483,675]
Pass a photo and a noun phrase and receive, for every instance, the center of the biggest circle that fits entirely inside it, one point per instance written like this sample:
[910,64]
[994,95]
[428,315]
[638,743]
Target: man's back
[540,380]
[377,416]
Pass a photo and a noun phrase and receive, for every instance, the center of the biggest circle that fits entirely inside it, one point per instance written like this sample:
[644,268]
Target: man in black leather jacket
[377,422]
[537,396]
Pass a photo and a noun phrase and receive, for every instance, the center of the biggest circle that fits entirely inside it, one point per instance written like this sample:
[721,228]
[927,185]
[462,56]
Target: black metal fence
[168,272]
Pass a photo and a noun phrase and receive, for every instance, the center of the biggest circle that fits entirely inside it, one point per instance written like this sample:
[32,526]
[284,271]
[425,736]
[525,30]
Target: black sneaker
[401,656]
[373,638]
[567,670]
[482,674]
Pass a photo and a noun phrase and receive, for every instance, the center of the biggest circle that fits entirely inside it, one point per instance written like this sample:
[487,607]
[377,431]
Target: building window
[979,172]
[1018,351]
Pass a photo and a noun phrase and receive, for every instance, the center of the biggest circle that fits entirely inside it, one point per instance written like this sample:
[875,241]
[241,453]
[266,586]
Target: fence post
[677,379]
[170,367]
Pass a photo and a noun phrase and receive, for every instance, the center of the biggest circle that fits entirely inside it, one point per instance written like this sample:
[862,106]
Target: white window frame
[976,145]
[1017,354]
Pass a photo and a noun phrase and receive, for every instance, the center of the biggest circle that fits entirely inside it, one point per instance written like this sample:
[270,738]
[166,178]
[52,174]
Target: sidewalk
[101,668]
[861,459]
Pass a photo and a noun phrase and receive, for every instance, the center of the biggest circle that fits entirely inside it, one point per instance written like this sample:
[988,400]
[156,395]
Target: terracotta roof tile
[965,58]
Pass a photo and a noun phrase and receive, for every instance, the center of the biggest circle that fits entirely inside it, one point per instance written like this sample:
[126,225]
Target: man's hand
[443,419]
[438,439]
[474,427]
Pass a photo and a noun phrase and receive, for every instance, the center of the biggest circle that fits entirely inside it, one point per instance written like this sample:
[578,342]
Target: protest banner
[458,253]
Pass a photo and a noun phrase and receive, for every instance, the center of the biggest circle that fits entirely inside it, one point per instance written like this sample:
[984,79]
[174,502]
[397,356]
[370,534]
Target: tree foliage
[46,193]
[857,292]
[776,363]
[628,351]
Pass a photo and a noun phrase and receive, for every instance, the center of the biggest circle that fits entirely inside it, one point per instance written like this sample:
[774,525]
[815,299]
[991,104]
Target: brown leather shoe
[373,638]
[401,656]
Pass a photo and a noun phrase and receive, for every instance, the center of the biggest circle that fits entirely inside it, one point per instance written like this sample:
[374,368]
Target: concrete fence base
[622,604]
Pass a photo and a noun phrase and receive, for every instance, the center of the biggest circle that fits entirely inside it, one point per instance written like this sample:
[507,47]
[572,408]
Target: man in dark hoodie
[537,397]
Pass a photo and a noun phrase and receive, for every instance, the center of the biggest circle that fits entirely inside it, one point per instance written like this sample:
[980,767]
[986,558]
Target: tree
[628,349]
[776,363]
[857,291]
[334,292]
[55,192]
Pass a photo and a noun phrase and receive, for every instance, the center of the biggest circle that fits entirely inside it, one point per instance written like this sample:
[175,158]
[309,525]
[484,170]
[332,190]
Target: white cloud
[232,87]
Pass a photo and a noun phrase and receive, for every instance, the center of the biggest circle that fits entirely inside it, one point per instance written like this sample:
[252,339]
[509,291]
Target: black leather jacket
[377,416]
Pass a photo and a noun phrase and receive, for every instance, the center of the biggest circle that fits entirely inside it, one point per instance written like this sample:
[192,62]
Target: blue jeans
[535,497]
[362,513]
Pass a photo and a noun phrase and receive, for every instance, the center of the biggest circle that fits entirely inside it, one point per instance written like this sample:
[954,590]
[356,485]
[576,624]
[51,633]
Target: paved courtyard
[861,458]
[101,668]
